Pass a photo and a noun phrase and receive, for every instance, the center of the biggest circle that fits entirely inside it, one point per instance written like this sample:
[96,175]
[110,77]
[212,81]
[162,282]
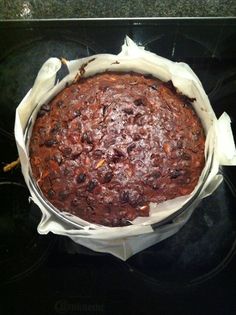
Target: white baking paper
[124,242]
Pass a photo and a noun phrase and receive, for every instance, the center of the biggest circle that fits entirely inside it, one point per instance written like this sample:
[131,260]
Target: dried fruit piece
[98,153]
[186,156]
[175,173]
[50,142]
[46,107]
[81,178]
[56,128]
[62,195]
[128,111]
[76,113]
[91,185]
[108,177]
[51,193]
[139,102]
[136,137]
[66,151]
[131,147]
[118,154]
[58,159]
[167,148]
[124,196]
[59,103]
[74,202]
[100,163]
[86,137]
[144,208]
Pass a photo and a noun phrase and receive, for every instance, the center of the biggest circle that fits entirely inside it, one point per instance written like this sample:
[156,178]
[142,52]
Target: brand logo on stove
[63,307]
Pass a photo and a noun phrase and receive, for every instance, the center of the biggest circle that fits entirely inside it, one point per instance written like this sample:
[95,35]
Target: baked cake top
[108,145]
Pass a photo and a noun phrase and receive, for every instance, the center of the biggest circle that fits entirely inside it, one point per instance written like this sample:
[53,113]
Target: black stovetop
[192,272]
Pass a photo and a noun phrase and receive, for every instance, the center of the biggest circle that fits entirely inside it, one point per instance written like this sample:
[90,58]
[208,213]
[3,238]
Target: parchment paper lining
[219,148]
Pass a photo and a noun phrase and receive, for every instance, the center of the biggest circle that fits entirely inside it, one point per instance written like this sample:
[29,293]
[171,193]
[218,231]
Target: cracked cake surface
[108,145]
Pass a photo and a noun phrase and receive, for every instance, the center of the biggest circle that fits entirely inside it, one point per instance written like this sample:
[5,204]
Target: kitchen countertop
[39,9]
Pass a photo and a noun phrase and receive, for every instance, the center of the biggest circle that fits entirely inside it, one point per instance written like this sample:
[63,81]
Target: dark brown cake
[108,145]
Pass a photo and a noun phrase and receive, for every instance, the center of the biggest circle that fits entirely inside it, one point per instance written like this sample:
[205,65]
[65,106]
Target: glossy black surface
[50,274]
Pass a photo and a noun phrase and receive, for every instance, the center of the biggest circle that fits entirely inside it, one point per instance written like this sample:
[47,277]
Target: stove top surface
[51,274]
